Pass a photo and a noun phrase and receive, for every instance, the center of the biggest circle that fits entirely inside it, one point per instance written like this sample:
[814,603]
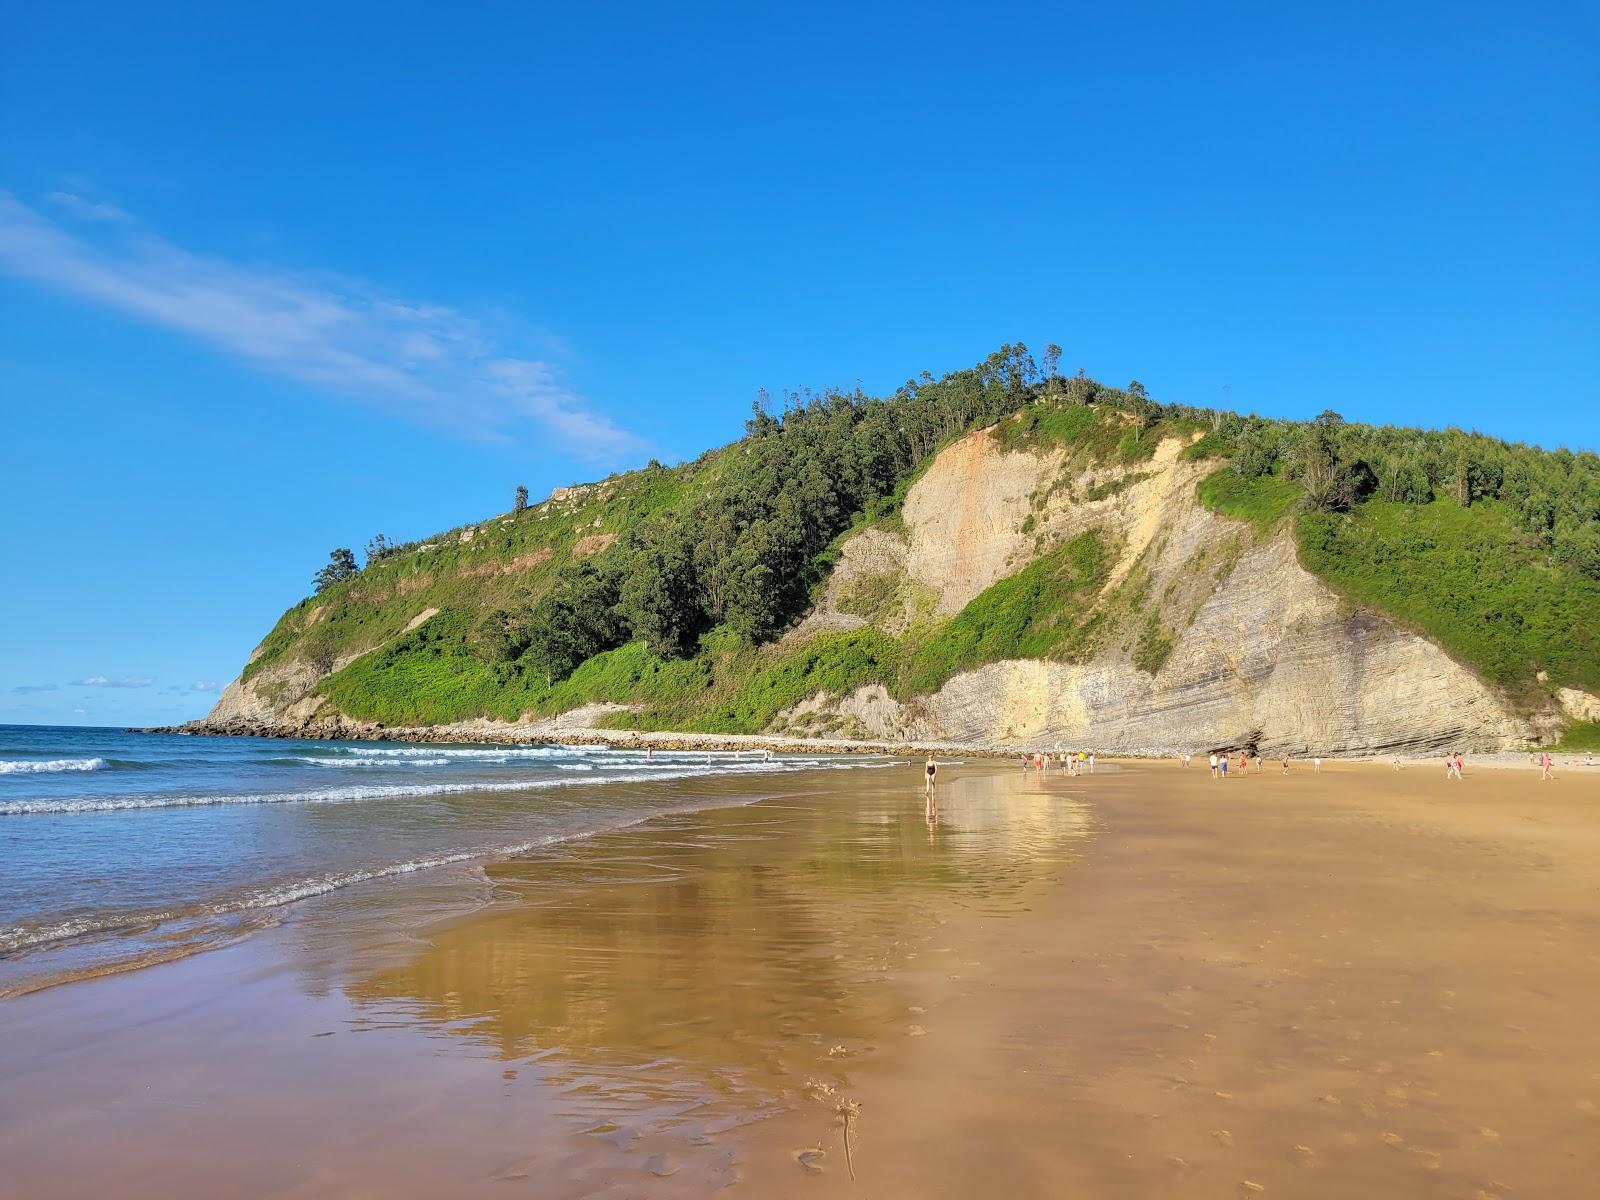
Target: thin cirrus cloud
[425,363]
[125,681]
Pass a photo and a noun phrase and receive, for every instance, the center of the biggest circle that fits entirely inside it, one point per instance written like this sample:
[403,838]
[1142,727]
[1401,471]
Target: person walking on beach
[1091,763]
[1452,766]
[1244,764]
[1316,765]
[1285,764]
[1461,765]
[1213,765]
[1222,765]
[1545,767]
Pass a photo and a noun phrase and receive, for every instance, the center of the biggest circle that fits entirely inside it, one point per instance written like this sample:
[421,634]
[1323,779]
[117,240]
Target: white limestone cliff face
[1264,654]
[1270,661]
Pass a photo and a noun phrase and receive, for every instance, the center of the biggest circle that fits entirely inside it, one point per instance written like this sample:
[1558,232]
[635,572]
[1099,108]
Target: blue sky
[276,279]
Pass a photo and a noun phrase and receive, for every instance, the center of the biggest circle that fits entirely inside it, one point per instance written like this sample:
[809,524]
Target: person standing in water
[930,769]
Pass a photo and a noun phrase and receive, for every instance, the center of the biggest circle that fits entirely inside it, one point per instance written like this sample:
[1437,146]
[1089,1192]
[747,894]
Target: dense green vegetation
[1263,501]
[1471,579]
[669,587]
[1581,735]
[434,674]
[1487,548]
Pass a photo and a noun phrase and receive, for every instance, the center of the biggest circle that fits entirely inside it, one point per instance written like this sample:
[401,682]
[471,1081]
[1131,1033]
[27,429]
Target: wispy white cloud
[203,685]
[29,689]
[87,210]
[125,681]
[423,362]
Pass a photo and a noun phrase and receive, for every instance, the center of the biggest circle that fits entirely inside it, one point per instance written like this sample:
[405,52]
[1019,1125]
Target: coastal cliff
[1070,573]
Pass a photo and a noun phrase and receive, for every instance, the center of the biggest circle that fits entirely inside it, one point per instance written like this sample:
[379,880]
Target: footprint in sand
[1251,1186]
[1428,1160]
[660,1166]
[1305,1156]
[1487,1134]
[1393,1139]
[810,1159]
[917,1031]
[1223,1137]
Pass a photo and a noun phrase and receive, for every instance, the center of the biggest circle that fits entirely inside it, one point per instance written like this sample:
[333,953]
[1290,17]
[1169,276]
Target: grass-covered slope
[1468,578]
[669,589]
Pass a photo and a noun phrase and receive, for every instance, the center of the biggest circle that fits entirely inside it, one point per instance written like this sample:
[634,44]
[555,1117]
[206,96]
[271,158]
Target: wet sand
[1144,983]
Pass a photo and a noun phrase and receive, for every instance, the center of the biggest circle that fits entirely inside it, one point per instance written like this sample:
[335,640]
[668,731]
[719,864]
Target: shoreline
[562,730]
[559,730]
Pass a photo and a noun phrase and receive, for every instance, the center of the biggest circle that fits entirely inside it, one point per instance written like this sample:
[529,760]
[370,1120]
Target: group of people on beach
[1075,762]
[1248,761]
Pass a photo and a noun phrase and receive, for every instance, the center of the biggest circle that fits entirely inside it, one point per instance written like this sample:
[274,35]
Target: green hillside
[669,588]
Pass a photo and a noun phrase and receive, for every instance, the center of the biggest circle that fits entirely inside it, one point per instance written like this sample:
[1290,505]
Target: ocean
[121,848]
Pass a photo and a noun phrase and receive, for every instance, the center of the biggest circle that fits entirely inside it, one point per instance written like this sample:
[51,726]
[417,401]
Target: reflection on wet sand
[709,972]
[619,1008]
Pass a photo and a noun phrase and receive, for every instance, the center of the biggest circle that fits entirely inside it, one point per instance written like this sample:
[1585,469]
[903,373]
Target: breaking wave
[35,766]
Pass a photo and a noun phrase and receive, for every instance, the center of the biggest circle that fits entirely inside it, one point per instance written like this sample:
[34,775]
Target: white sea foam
[36,766]
[348,794]
[372,761]
[493,752]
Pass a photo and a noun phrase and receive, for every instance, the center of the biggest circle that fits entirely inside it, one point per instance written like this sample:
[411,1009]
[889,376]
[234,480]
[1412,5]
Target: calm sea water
[117,848]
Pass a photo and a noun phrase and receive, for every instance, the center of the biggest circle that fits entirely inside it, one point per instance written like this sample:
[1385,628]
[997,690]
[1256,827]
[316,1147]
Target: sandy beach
[1141,983]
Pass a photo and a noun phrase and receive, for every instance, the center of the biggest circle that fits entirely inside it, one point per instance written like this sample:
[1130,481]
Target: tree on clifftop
[521,502]
[341,566]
